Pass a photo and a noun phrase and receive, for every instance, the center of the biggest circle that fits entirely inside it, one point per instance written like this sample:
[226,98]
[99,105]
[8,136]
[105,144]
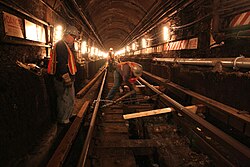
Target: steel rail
[241,151]
[205,100]
[87,87]
[62,151]
[84,153]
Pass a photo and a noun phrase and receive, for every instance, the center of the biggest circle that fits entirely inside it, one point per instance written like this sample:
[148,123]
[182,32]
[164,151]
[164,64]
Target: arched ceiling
[114,20]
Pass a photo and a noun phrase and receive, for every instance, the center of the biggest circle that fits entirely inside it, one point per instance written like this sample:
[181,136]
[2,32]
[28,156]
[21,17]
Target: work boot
[64,122]
[72,118]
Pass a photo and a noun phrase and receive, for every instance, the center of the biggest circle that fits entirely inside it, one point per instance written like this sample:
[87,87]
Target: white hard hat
[111,49]
[136,69]
[72,30]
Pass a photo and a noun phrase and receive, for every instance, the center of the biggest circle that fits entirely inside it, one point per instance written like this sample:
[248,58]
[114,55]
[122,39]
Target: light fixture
[58,33]
[144,43]
[166,33]
[84,47]
[133,46]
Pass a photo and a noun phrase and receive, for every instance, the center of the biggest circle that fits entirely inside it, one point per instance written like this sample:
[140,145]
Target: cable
[194,22]
[235,62]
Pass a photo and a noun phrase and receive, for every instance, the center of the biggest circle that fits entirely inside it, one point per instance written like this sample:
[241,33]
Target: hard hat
[136,69]
[72,30]
[111,49]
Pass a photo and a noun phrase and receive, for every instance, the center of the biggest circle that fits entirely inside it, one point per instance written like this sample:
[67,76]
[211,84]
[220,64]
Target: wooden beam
[62,150]
[192,108]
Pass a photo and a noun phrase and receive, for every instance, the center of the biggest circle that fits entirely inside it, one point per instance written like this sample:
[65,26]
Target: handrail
[239,62]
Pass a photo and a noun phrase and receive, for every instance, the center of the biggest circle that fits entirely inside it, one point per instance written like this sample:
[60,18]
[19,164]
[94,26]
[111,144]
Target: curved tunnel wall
[27,101]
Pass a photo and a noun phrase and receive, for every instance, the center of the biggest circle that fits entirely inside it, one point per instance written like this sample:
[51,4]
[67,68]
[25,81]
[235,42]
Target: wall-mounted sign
[193,43]
[12,25]
[240,20]
[182,44]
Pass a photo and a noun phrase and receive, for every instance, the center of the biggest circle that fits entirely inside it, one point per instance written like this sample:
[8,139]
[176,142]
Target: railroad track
[123,134]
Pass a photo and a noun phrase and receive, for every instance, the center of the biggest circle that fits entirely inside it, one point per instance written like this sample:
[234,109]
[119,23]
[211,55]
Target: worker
[62,66]
[111,60]
[127,73]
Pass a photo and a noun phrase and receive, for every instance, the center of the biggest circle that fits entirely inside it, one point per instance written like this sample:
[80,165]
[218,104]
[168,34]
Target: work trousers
[117,84]
[65,100]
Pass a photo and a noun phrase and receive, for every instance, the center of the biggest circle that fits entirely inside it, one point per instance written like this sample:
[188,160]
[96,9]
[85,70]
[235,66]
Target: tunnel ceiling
[114,20]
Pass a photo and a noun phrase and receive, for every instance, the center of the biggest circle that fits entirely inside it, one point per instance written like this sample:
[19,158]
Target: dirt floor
[174,148]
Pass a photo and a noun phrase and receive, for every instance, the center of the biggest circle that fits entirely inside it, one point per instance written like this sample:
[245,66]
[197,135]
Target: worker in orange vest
[62,66]
[127,73]
[111,60]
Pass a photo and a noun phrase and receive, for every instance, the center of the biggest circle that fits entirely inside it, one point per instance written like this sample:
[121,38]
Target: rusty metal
[114,147]
[236,149]
[133,106]
[82,159]
[119,99]
[229,112]
[87,87]
[63,149]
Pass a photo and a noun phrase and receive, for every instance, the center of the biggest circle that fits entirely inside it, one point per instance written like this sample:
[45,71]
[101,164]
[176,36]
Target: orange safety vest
[52,61]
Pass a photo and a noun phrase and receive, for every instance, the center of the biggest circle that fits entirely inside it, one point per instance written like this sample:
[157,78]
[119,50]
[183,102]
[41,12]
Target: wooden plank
[156,112]
[148,113]
[83,109]
[65,145]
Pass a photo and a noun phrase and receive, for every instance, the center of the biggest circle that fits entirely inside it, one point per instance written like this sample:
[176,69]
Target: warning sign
[12,25]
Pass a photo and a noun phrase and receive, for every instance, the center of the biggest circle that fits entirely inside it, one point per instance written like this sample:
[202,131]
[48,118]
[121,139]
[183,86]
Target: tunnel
[195,51]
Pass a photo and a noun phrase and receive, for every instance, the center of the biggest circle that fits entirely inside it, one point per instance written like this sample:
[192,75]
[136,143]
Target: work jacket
[124,69]
[62,60]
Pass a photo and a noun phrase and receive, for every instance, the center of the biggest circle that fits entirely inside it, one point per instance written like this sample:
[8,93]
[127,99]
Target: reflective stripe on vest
[71,61]
[52,62]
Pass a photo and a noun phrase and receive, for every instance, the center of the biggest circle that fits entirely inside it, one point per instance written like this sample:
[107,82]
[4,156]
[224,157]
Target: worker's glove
[67,80]
[132,80]
[136,88]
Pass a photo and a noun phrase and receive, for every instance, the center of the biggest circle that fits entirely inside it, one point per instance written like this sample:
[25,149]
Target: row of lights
[95,51]
[80,46]
[145,42]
